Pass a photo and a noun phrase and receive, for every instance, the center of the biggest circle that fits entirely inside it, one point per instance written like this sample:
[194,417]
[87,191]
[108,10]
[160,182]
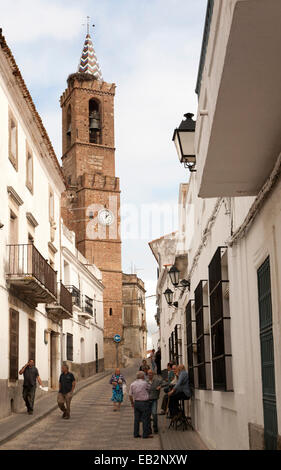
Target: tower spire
[88,60]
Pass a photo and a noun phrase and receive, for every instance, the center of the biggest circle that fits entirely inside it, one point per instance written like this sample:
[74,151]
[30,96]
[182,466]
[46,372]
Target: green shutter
[267,357]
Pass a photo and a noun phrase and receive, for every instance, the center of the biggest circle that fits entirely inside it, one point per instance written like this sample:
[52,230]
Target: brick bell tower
[90,206]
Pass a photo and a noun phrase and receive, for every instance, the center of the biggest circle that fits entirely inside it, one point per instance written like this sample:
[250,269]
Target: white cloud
[31,20]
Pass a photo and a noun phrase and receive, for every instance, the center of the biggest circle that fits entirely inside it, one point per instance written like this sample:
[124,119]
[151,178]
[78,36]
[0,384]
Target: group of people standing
[144,394]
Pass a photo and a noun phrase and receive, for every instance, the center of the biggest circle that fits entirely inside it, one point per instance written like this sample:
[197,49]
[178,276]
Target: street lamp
[174,275]
[183,139]
[169,296]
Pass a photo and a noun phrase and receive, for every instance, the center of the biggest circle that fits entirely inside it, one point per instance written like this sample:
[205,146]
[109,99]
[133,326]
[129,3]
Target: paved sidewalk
[172,439]
[18,422]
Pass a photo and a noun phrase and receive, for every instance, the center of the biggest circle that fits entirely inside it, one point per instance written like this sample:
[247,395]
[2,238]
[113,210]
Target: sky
[151,50]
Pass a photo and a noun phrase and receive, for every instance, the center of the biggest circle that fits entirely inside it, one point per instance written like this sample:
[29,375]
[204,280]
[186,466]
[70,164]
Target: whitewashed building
[82,341]
[230,231]
[33,297]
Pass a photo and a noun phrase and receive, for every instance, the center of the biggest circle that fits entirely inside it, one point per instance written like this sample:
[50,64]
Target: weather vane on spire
[88,24]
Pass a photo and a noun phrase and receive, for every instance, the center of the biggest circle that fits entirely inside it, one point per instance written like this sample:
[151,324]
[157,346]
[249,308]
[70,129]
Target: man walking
[139,398]
[66,388]
[30,374]
[155,383]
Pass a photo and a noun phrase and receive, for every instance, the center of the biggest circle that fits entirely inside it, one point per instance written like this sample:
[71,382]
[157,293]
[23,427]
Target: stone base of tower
[113,354]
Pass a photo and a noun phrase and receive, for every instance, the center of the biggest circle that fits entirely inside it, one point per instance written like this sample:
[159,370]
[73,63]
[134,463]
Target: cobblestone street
[93,425]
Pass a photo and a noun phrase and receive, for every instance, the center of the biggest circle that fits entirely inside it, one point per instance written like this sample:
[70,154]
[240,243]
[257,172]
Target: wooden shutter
[31,340]
[14,344]
[69,347]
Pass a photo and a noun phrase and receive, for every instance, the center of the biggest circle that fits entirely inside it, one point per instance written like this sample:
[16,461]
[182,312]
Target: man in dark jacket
[66,388]
[155,383]
[30,374]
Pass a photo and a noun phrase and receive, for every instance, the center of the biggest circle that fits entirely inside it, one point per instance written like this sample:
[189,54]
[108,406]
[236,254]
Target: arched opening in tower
[68,126]
[94,122]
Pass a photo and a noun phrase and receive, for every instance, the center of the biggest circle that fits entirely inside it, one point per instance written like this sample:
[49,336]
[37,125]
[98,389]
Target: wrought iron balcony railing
[88,305]
[31,273]
[65,299]
[75,294]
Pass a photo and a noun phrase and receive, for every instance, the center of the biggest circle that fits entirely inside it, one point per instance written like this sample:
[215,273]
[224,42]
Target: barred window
[220,321]
[203,335]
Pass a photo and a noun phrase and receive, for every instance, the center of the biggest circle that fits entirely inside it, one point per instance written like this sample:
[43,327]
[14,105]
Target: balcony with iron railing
[62,308]
[29,275]
[75,294]
[87,307]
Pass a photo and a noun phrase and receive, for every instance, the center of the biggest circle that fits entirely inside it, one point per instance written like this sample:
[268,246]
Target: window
[29,170]
[220,321]
[13,233]
[202,334]
[189,341]
[94,122]
[14,345]
[51,206]
[173,348]
[177,344]
[110,311]
[69,347]
[13,141]
[31,339]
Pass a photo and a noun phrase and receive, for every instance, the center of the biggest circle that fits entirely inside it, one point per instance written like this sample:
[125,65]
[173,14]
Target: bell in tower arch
[94,122]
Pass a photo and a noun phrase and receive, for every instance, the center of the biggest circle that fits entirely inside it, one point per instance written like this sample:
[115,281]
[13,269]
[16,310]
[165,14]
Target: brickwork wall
[90,172]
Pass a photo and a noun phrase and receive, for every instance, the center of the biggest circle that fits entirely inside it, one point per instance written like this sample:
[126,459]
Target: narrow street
[93,424]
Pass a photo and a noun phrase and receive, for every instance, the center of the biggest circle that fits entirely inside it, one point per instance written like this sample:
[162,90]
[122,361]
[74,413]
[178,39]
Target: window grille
[220,321]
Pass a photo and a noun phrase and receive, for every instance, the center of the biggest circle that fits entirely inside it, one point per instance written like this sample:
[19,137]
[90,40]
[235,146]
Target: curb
[38,418]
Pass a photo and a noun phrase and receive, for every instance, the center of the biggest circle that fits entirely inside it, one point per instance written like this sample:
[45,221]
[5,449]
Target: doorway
[97,357]
[53,360]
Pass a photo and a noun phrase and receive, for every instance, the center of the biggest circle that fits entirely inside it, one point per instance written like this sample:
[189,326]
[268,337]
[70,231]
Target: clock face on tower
[105,217]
